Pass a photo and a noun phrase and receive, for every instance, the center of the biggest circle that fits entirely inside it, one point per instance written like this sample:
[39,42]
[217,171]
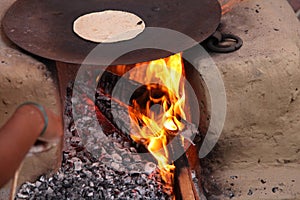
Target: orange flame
[155,118]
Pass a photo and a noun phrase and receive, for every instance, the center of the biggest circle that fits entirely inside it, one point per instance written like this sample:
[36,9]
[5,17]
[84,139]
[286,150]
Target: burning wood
[182,171]
[184,180]
[159,110]
[151,127]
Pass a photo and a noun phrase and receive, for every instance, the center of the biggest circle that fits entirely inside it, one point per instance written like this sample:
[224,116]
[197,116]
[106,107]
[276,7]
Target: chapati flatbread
[108,26]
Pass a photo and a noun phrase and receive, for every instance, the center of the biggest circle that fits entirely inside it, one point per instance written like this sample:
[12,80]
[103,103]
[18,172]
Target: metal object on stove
[224,43]
[44,27]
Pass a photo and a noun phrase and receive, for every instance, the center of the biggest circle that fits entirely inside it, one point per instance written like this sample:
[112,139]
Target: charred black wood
[113,101]
[122,97]
[108,81]
[115,112]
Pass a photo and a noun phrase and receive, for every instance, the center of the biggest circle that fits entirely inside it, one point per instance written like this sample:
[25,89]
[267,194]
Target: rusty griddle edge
[44,27]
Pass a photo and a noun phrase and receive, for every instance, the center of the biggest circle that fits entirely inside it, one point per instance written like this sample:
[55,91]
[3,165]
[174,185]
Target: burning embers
[157,109]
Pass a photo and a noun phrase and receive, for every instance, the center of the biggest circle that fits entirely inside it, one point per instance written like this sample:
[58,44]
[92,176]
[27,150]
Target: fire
[156,116]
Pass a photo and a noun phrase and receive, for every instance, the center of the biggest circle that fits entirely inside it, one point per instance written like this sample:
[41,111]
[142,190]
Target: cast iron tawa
[45,27]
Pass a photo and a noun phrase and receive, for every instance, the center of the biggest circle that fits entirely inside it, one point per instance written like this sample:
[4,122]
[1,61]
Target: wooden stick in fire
[183,179]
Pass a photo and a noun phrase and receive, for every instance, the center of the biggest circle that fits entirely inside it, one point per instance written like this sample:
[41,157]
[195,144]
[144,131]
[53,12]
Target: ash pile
[98,163]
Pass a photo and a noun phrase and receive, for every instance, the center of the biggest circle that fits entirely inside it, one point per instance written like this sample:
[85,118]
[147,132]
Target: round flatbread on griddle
[108,26]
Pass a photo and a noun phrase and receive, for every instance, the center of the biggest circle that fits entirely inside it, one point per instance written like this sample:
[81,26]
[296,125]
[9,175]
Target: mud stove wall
[260,139]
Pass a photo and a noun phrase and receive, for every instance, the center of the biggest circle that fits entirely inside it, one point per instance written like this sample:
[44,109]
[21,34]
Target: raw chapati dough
[108,26]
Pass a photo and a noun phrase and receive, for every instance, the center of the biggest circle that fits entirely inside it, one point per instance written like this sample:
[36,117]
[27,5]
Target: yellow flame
[154,129]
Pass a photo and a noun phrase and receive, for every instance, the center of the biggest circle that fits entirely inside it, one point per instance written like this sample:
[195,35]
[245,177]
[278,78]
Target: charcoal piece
[22,196]
[38,184]
[115,166]
[77,166]
[149,167]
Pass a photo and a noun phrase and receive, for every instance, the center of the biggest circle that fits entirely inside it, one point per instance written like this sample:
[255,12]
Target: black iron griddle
[44,27]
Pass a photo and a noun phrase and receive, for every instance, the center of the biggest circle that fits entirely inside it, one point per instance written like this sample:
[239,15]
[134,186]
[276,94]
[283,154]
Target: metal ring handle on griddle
[44,27]
[214,42]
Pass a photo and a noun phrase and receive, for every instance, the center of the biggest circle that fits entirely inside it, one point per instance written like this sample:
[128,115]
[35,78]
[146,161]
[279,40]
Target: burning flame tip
[157,126]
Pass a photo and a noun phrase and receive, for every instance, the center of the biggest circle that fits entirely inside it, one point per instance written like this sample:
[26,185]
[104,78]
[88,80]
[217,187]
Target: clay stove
[74,49]
[256,15]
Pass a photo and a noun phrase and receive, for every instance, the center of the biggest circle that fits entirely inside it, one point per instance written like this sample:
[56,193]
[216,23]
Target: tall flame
[156,118]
